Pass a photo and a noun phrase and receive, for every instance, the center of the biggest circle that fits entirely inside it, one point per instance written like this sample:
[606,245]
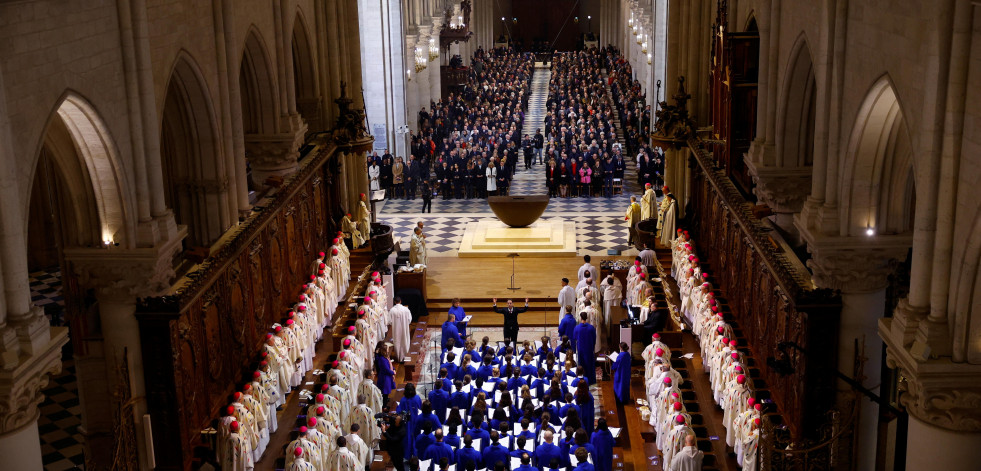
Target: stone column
[25,364]
[275,154]
[859,269]
[119,278]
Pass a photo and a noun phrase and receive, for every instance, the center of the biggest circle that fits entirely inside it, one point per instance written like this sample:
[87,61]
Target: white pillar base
[21,449]
[929,447]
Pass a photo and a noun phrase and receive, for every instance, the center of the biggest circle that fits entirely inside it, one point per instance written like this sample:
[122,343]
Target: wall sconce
[869,231]
[408,74]
[575,20]
[433,49]
[420,59]
[514,20]
[648,59]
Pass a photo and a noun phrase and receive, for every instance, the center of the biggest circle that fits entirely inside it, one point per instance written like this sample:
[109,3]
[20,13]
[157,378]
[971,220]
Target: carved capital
[782,189]
[852,264]
[20,387]
[277,152]
[132,273]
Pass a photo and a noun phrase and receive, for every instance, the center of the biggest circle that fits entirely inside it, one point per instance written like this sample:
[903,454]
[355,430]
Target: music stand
[513,256]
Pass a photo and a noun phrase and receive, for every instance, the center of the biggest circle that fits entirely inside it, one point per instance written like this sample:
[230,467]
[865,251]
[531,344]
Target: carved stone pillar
[118,278]
[943,399]
[25,363]
[275,154]
[859,268]
[783,190]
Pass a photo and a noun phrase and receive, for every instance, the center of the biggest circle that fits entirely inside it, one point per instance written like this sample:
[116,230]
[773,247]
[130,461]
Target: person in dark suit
[510,319]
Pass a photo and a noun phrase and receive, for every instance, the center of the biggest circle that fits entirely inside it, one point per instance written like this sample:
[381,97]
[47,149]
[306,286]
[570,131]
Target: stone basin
[518,211]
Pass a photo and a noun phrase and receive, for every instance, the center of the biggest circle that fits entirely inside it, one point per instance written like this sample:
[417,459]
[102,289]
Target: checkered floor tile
[61,442]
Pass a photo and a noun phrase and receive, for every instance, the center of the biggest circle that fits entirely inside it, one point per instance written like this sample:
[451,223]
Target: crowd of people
[470,144]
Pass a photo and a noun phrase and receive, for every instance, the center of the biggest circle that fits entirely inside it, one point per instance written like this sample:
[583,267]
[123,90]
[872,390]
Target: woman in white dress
[491,179]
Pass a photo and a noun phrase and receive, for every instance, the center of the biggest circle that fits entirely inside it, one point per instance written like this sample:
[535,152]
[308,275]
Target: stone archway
[878,168]
[79,200]
[795,127]
[305,76]
[196,177]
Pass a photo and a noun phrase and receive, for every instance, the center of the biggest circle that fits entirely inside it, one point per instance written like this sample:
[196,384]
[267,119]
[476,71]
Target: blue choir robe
[584,467]
[585,335]
[485,371]
[602,441]
[421,444]
[544,454]
[386,375]
[451,332]
[564,411]
[439,398]
[621,378]
[453,441]
[516,383]
[494,453]
[525,467]
[451,369]
[438,450]
[459,315]
[468,454]
[446,384]
[566,326]
[478,434]
[529,370]
[411,405]
[432,418]
[588,414]
[464,371]
[460,399]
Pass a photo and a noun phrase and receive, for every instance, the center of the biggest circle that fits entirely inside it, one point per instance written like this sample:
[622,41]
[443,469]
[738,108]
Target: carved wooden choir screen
[771,300]
[199,344]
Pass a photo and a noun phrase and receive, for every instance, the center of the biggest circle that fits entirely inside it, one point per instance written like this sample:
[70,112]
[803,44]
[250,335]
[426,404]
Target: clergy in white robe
[669,221]
[364,416]
[374,173]
[648,203]
[401,336]
[319,438]
[661,208]
[352,231]
[750,443]
[734,401]
[417,248]
[632,217]
[310,452]
[342,459]
[689,458]
[567,297]
[358,446]
[587,267]
[676,438]
[237,451]
[364,217]
[299,463]
[612,293]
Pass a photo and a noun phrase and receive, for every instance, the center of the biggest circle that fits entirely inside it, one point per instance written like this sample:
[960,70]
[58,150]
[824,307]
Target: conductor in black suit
[510,319]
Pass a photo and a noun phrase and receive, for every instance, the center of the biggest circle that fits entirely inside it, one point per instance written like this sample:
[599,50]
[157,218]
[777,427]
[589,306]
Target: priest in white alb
[401,336]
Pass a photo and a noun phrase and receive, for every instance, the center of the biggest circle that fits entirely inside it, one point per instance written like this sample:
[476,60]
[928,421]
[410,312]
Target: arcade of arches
[148,147]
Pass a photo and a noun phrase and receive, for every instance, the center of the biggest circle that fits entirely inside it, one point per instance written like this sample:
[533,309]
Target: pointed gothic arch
[305,74]
[258,87]
[796,122]
[79,177]
[878,167]
[195,175]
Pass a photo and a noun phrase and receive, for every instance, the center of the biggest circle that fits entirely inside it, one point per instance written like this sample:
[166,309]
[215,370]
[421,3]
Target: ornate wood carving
[198,343]
[733,89]
[773,300]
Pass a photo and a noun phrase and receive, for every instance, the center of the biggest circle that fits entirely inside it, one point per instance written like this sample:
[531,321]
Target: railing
[774,301]
[831,449]
[200,341]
